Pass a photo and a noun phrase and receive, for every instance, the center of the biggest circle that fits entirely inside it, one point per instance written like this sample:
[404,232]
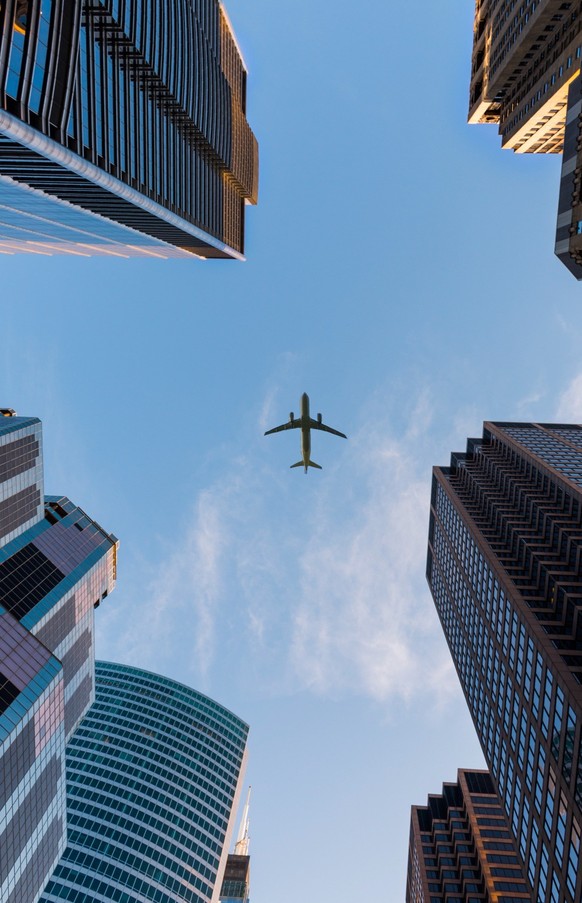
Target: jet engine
[319,418]
[291,416]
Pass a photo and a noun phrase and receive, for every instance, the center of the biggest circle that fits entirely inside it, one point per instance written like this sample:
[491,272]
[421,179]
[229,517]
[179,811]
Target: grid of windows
[160,124]
[32,756]
[153,771]
[450,850]
[501,535]
[525,53]
[42,695]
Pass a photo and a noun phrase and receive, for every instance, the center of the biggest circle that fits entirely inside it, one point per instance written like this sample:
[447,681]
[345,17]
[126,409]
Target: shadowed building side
[123,129]
[505,570]
[569,224]
[236,884]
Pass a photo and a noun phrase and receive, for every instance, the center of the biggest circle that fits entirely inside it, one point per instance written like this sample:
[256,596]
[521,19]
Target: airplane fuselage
[305,430]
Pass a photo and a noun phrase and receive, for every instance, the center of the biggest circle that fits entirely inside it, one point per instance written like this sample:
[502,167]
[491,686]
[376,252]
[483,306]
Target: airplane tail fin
[311,464]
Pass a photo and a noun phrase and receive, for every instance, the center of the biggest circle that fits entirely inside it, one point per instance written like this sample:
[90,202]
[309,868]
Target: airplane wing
[290,425]
[316,425]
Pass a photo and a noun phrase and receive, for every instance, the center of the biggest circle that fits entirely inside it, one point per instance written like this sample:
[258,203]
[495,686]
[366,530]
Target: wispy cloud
[569,407]
[312,583]
[364,620]
[171,606]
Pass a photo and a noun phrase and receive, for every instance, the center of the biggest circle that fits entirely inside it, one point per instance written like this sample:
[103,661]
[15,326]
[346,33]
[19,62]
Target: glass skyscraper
[56,565]
[505,571]
[461,848]
[154,774]
[123,129]
[237,874]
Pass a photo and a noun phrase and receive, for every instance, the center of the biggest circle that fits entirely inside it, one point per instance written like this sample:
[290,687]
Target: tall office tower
[461,849]
[237,874]
[505,570]
[123,129]
[55,565]
[154,774]
[526,56]
[569,226]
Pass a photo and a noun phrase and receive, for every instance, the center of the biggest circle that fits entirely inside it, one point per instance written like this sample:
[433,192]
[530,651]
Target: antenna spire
[241,847]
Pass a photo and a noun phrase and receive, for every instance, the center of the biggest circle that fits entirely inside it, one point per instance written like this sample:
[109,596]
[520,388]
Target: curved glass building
[123,129]
[153,779]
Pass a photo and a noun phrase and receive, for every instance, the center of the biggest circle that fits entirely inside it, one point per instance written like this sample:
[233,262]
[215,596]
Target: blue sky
[400,269]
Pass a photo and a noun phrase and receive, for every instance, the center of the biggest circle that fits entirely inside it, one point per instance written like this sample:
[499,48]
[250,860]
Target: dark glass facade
[123,129]
[56,564]
[569,224]
[153,778]
[461,850]
[236,882]
[505,570]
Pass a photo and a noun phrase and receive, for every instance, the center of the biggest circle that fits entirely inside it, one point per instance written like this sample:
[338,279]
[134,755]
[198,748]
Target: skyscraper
[460,847]
[56,564]
[526,57]
[123,129]
[569,226]
[154,774]
[505,570]
[237,874]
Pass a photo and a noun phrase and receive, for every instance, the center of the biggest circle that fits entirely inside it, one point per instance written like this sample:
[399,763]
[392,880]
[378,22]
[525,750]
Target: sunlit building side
[461,848]
[526,58]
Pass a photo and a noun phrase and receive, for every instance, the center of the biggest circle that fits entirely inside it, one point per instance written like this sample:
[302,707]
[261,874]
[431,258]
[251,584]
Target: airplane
[305,423]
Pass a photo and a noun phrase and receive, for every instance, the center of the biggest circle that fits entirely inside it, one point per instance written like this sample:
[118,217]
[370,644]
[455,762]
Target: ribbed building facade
[56,565]
[505,570]
[123,129]
[154,774]
[461,849]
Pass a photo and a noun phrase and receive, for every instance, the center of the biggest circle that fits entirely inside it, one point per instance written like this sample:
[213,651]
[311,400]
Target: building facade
[237,879]
[569,225]
[56,565]
[154,774]
[461,849]
[123,129]
[236,882]
[526,58]
[505,570]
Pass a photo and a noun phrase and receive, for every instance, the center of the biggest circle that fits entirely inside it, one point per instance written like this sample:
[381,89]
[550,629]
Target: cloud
[312,583]
[569,408]
[364,622]
[172,607]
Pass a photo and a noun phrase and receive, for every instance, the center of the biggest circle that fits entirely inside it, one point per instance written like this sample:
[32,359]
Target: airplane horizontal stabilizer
[313,464]
[299,464]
